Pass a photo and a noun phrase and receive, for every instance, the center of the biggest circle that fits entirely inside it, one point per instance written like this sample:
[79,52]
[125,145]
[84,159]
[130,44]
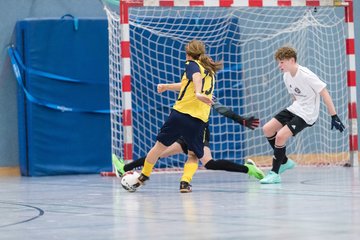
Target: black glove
[250,122]
[336,122]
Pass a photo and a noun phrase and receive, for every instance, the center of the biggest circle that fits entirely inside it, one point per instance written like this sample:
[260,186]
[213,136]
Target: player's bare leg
[150,161]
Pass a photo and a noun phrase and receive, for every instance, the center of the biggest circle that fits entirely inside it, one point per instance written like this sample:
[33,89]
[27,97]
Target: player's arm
[328,101]
[250,122]
[197,79]
[335,120]
[168,87]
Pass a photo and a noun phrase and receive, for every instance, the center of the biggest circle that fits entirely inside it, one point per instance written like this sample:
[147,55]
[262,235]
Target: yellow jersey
[187,102]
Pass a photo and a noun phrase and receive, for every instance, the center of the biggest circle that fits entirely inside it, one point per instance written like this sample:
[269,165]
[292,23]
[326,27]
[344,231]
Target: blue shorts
[184,146]
[183,125]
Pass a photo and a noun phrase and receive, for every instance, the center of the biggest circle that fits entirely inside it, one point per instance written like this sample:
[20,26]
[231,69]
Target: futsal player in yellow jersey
[190,113]
[186,102]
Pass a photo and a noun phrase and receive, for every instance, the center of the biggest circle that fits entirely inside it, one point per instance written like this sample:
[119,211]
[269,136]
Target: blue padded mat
[74,137]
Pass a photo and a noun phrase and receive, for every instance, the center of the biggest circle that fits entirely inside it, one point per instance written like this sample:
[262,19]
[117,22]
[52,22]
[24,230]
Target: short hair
[284,53]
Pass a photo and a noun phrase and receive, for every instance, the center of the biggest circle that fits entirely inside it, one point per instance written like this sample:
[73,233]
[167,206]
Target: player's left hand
[336,122]
[251,122]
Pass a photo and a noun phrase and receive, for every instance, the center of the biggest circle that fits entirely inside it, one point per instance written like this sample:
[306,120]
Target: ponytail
[211,66]
[196,49]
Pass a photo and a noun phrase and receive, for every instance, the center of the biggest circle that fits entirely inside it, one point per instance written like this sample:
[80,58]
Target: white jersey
[305,86]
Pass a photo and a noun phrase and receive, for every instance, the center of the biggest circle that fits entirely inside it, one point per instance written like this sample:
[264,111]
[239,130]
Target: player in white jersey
[306,89]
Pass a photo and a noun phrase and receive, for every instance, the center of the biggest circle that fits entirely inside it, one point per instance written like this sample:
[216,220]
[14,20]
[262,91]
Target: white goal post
[146,47]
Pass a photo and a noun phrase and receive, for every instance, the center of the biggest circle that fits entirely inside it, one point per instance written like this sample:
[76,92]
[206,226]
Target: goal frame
[125,57]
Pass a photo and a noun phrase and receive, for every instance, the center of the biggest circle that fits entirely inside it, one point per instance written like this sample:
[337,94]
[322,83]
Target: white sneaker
[271,178]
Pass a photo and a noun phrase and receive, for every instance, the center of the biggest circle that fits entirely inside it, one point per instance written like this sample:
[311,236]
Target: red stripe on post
[126,83]
[351,78]
[166,3]
[126,117]
[255,3]
[226,3]
[352,110]
[350,46]
[194,3]
[124,12]
[125,49]
[349,12]
[284,3]
[312,3]
[128,154]
[124,9]
[353,143]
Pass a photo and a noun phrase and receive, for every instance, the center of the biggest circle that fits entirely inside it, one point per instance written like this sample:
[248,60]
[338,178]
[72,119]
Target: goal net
[245,39]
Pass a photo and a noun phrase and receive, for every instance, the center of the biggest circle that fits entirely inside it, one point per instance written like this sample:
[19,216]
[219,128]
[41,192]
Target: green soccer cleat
[271,178]
[119,164]
[288,165]
[253,170]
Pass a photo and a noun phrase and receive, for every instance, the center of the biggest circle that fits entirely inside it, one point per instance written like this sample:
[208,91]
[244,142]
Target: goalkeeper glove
[336,122]
[250,122]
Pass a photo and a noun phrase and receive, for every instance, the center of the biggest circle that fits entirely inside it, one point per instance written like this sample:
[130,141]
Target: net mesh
[245,39]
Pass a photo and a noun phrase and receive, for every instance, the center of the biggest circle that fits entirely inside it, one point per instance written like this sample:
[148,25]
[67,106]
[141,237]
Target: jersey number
[207,92]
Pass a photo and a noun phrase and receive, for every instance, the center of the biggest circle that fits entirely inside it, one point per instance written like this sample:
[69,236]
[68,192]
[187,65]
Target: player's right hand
[161,88]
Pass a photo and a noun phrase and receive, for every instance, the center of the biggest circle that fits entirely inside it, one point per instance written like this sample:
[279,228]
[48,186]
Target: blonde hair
[284,53]
[196,49]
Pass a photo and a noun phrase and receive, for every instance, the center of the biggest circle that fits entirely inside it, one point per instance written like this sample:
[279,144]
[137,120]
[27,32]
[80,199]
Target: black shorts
[184,146]
[183,125]
[295,123]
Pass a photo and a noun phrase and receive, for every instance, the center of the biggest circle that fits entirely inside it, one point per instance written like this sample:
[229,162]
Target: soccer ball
[128,180]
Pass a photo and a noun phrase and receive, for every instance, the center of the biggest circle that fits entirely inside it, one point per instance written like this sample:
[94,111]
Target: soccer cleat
[119,164]
[141,181]
[271,178]
[286,166]
[185,187]
[253,170]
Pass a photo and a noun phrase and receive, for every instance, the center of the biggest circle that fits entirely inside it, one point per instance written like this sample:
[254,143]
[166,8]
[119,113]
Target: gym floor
[310,203]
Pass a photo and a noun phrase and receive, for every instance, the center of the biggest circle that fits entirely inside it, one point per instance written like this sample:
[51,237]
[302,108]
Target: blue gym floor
[311,203]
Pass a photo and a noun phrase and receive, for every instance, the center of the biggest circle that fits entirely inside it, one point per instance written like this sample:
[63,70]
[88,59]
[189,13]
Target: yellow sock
[147,169]
[189,171]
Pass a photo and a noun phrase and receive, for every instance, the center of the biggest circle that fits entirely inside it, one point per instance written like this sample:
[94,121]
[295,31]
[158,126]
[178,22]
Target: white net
[251,84]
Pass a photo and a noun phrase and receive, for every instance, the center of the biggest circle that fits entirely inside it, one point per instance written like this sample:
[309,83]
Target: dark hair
[196,49]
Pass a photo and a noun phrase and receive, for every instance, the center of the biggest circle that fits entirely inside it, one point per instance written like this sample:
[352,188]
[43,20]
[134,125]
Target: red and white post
[351,81]
[126,77]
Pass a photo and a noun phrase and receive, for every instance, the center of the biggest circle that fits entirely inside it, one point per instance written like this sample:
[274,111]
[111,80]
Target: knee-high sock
[134,164]
[225,165]
[271,140]
[189,171]
[279,155]
[147,169]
